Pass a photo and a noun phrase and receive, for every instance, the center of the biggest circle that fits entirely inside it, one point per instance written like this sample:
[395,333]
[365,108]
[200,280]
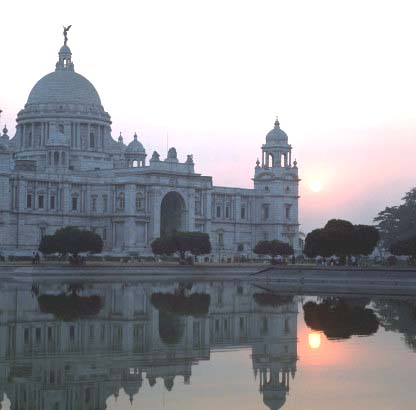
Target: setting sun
[316,186]
[314,340]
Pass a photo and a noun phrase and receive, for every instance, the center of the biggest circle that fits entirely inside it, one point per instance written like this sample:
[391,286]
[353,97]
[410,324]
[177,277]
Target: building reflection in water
[56,358]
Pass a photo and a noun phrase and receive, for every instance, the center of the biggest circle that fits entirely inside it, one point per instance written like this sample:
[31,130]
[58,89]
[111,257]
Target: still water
[205,345]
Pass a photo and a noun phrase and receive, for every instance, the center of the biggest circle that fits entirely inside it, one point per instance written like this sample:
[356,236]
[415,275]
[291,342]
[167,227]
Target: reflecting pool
[206,345]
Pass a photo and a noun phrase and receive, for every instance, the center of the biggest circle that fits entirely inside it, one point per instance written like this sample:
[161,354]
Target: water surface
[210,345]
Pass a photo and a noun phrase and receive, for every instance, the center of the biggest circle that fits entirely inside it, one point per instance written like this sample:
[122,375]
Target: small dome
[276,135]
[57,139]
[135,147]
[65,50]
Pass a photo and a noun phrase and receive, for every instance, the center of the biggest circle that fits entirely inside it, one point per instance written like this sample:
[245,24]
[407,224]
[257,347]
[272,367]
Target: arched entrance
[172,214]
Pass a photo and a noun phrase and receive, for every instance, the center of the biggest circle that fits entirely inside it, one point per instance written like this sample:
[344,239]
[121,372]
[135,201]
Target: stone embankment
[339,280]
[286,278]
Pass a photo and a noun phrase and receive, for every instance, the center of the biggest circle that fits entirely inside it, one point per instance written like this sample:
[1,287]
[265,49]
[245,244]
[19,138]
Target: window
[61,128]
[92,140]
[287,327]
[104,234]
[265,212]
[41,201]
[243,212]
[87,395]
[266,188]
[287,211]
[49,334]
[37,335]
[94,203]
[26,335]
[105,203]
[139,201]
[221,238]
[74,203]
[121,201]
[72,333]
[52,202]
[265,236]
[56,158]
[218,211]
[29,201]
[42,232]
[227,211]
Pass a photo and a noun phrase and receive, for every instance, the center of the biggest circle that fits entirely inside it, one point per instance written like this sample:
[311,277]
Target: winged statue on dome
[66,29]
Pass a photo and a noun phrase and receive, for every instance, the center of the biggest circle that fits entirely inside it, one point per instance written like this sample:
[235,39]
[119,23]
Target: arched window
[63,158]
[139,201]
[56,158]
[283,160]
[135,163]
[218,211]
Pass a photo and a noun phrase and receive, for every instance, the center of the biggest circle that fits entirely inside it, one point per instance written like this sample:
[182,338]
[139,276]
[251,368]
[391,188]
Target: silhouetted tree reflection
[341,318]
[196,304]
[173,306]
[398,316]
[271,299]
[70,307]
[171,327]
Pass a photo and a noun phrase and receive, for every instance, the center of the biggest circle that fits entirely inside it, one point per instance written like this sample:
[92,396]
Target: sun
[315,186]
[314,340]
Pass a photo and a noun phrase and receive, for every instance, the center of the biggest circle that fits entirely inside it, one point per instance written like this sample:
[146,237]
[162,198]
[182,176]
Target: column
[191,210]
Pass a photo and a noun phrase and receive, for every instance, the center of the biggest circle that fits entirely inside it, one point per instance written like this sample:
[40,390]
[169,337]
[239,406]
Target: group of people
[35,258]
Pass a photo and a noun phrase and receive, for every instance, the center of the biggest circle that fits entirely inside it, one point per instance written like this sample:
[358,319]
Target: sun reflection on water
[314,340]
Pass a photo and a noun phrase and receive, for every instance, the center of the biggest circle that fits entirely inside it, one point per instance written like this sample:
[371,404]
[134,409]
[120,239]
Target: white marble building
[63,167]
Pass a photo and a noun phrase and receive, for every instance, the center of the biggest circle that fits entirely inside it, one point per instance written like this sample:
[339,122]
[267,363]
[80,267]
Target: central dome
[66,87]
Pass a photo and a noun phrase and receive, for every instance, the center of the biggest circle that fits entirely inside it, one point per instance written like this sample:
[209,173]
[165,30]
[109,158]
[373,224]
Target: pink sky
[213,75]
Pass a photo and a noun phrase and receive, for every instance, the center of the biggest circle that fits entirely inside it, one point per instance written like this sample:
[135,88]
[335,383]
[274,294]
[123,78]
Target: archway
[172,214]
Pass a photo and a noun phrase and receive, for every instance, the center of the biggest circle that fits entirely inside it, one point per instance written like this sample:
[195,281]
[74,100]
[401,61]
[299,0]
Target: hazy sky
[214,74]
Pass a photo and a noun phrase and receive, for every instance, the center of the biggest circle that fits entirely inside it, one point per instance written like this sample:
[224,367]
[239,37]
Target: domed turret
[276,135]
[135,153]
[276,151]
[135,147]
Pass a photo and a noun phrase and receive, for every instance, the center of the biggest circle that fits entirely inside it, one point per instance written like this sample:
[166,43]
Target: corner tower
[276,183]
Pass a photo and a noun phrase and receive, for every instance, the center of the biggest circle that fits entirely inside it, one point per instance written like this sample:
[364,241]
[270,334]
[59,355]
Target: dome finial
[66,29]
[120,138]
[277,123]
[135,136]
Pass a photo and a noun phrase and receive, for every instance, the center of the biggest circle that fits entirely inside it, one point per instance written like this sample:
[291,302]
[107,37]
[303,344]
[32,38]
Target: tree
[398,222]
[163,246]
[317,243]
[366,238]
[71,240]
[273,248]
[197,243]
[405,247]
[48,245]
[341,238]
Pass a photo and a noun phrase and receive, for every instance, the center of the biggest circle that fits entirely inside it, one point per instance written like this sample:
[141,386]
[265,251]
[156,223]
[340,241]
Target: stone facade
[64,168]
